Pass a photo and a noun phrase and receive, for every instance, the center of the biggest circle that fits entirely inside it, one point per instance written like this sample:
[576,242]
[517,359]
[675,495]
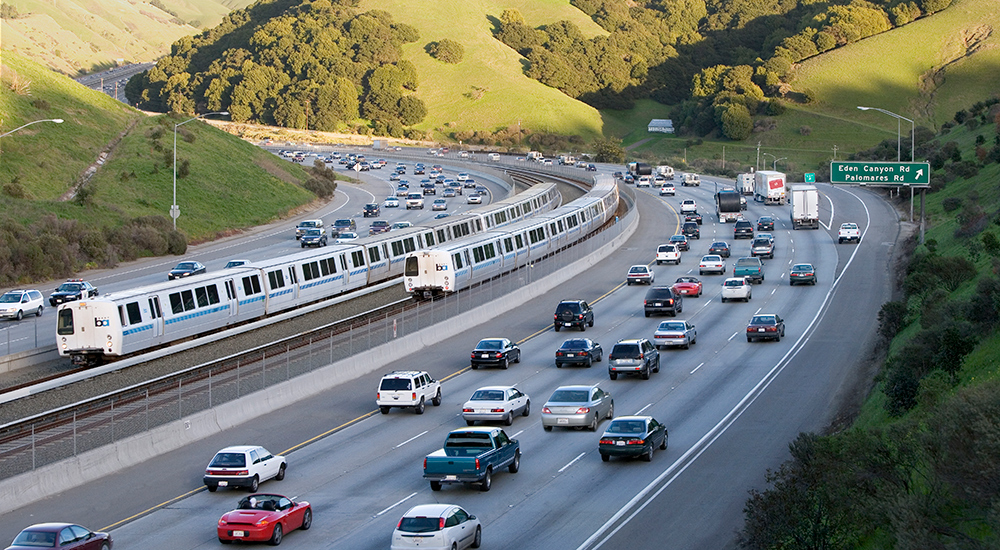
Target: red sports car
[264,517]
[688,286]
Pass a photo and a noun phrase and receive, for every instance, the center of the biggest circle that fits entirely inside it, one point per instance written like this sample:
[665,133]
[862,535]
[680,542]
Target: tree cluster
[294,63]
[446,50]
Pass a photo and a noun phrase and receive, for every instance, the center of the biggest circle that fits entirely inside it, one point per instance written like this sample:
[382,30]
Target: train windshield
[411,269]
[64,322]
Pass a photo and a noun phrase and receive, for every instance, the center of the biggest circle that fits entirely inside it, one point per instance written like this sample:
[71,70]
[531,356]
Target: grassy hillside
[230,184]
[488,89]
[74,36]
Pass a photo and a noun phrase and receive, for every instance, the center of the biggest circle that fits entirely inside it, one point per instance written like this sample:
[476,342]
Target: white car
[737,288]
[639,274]
[675,333]
[407,389]
[496,403]
[689,206]
[401,225]
[439,204]
[346,237]
[474,198]
[667,189]
[15,304]
[644,181]
[243,466]
[712,263]
[433,526]
[415,200]
[462,177]
[391,202]
[668,253]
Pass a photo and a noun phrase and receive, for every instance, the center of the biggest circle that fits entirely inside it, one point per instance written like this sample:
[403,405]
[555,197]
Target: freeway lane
[560,497]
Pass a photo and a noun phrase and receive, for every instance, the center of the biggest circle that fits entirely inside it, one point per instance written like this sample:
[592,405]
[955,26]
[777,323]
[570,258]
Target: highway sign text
[880,173]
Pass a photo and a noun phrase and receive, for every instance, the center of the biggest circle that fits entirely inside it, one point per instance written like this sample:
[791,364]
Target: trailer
[727,205]
[805,206]
[640,169]
[744,183]
[666,171]
[769,187]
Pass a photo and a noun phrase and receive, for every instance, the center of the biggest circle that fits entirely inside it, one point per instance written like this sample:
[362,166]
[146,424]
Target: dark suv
[371,209]
[573,313]
[743,230]
[662,299]
[636,356]
[690,229]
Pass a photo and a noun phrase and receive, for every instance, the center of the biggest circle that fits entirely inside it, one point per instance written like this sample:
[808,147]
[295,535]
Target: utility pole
[723,158]
[834,152]
[758,155]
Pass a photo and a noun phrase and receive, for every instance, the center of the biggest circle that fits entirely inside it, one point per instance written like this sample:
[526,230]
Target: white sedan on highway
[712,263]
[737,288]
[496,403]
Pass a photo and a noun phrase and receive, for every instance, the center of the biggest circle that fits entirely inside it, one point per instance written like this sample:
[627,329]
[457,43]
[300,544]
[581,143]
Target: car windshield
[489,344]
[419,525]
[666,248]
[637,269]
[229,460]
[40,539]
[342,223]
[487,395]
[395,384]
[734,282]
[185,265]
[671,325]
[574,344]
[348,235]
[314,223]
[10,298]
[747,261]
[678,238]
[711,258]
[313,232]
[719,245]
[627,351]
[69,287]
[570,396]
[627,427]
[568,308]
[762,320]
[799,267]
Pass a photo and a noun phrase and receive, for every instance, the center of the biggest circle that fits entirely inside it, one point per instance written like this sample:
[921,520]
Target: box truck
[805,206]
[666,171]
[769,187]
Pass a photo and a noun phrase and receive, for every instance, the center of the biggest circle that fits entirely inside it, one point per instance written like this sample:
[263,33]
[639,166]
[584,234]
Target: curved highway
[731,408]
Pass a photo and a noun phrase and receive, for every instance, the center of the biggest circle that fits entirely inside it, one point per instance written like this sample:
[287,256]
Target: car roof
[576,387]
[740,279]
[48,527]
[495,388]
[632,417]
[239,449]
[429,510]
[403,373]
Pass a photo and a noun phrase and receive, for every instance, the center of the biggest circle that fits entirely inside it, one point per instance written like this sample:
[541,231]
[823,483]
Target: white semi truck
[744,183]
[805,206]
[769,187]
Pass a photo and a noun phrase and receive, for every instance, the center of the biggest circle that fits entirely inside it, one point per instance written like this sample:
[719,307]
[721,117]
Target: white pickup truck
[849,232]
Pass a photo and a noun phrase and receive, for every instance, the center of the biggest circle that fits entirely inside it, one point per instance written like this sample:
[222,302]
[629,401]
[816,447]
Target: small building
[662,125]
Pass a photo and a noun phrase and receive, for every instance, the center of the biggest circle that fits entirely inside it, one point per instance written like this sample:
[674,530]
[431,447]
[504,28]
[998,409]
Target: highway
[731,408]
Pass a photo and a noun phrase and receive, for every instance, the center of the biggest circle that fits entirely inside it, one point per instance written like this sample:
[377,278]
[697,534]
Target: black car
[681,242]
[499,352]
[71,290]
[721,248]
[742,230]
[418,170]
[618,175]
[693,217]
[428,188]
[573,313]
[186,269]
[802,273]
[662,299]
[579,351]
[371,210]
[765,223]
[690,229]
[765,326]
[633,436]
[591,168]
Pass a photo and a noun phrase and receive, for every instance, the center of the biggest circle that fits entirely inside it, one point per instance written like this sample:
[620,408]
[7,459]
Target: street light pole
[175,210]
[913,147]
[765,160]
[56,120]
[775,165]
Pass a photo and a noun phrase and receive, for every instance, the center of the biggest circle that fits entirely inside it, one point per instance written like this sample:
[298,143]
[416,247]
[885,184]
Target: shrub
[446,50]
[891,318]
[805,130]
[951,203]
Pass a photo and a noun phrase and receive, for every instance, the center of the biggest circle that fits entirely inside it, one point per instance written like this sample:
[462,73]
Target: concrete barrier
[54,478]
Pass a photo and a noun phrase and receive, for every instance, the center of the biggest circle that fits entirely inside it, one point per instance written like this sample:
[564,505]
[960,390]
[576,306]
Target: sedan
[437,526]
[675,333]
[439,204]
[681,242]
[712,263]
[667,189]
[450,192]
[499,352]
[802,273]
[736,288]
[346,237]
[765,326]
[401,225]
[639,274]
[577,407]
[721,248]
[395,175]
[496,403]
[688,286]
[579,351]
[693,217]
[474,198]
[765,223]
[391,202]
[264,517]
[402,191]
[632,436]
[60,535]
[185,269]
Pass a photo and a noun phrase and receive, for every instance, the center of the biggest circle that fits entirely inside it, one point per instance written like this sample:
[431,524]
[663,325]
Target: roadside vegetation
[919,467]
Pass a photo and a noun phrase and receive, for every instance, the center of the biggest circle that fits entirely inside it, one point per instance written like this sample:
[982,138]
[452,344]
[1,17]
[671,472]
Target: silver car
[494,403]
[576,407]
[675,333]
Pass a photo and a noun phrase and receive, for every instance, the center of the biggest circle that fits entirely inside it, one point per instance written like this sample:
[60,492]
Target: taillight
[607,442]
[473,356]
[467,410]
[378,395]
[559,354]
[414,394]
[583,410]
[477,465]
[579,316]
[555,316]
[635,442]
[499,355]
[400,524]
[441,520]
[546,410]
[497,410]
[582,353]
[670,302]
[425,465]
[645,303]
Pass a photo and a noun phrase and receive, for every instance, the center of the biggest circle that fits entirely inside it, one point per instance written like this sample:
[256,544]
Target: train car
[144,318]
[458,264]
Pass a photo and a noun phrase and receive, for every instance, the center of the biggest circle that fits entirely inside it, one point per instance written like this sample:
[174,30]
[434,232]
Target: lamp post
[765,160]
[775,165]
[899,119]
[56,120]
[175,210]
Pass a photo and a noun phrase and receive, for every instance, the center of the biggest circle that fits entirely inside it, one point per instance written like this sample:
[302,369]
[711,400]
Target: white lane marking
[571,462]
[772,291]
[517,434]
[638,412]
[758,310]
[395,505]
[700,364]
[735,334]
[827,226]
[410,439]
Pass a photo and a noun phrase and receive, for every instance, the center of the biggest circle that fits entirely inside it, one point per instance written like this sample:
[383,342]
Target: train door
[231,298]
[156,315]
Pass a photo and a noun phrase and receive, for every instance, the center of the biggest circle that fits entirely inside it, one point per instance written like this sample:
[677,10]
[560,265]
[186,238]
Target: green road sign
[810,177]
[881,173]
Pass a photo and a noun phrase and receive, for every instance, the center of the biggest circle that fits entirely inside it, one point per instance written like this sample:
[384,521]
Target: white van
[495,157]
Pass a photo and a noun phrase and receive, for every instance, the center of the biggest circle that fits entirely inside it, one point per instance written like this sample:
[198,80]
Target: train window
[479,225]
[188,298]
[64,321]
[441,236]
[560,223]
[310,271]
[121,316]
[134,315]
[201,296]
[397,248]
[213,294]
[230,290]
[328,266]
[457,258]
[292,275]
[358,257]
[552,229]
[408,245]
[490,251]
[251,285]
[477,254]
[176,306]
[276,278]
[429,238]
[154,308]
[373,254]
[343,262]
[527,207]
[519,241]
[412,266]
[508,245]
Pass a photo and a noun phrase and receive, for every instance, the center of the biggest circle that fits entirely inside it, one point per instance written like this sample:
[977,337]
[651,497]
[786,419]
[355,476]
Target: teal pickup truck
[751,268]
[472,455]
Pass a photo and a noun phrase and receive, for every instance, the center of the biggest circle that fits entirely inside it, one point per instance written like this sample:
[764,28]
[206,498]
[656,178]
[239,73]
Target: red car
[688,286]
[60,535]
[263,517]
